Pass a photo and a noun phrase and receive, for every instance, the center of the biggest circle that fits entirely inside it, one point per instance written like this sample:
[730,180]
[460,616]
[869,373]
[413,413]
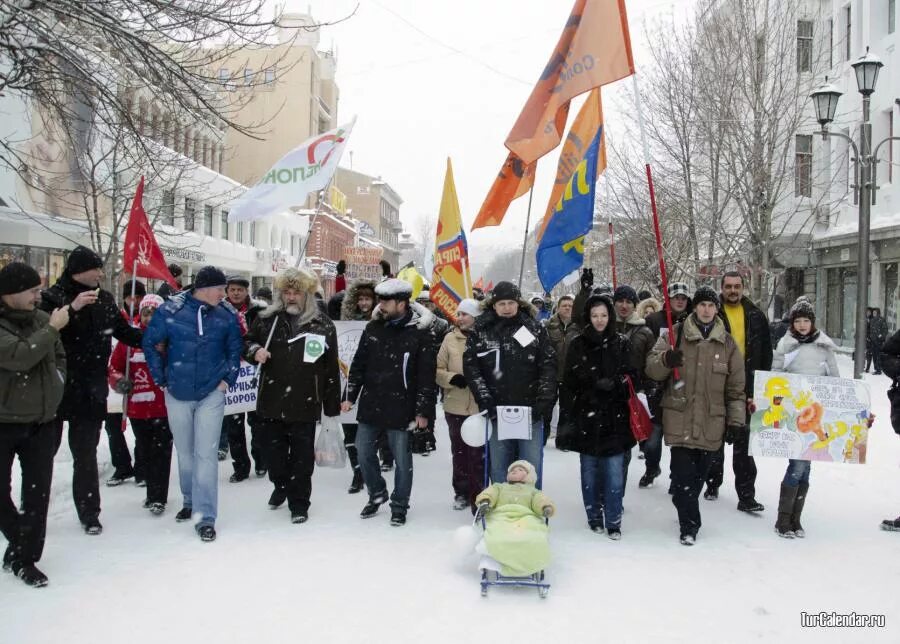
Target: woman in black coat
[595,405]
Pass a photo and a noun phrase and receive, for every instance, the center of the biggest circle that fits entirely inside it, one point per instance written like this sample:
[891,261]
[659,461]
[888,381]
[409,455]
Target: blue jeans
[504,453]
[602,489]
[366,447]
[797,473]
[652,448]
[196,426]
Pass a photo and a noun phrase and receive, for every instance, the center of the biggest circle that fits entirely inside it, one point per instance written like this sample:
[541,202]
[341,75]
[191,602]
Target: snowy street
[338,578]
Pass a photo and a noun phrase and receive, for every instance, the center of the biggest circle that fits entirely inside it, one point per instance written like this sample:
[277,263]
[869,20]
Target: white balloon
[472,431]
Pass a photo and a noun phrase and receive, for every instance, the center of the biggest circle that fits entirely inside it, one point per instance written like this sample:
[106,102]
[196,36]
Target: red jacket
[146,400]
[340,283]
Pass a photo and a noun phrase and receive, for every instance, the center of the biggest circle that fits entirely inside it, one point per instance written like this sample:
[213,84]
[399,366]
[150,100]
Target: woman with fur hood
[296,348]
[803,349]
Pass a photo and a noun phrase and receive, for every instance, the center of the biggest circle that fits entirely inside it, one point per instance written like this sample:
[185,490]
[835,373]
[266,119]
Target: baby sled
[491,574]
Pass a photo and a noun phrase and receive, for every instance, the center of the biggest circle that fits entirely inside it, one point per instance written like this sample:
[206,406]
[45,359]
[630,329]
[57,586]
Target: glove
[751,406]
[673,358]
[458,380]
[547,511]
[587,278]
[540,410]
[606,384]
[731,433]
[124,386]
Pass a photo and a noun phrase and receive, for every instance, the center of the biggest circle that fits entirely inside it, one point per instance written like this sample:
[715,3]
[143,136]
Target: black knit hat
[140,290]
[209,276]
[82,259]
[802,309]
[505,291]
[625,292]
[17,277]
[705,294]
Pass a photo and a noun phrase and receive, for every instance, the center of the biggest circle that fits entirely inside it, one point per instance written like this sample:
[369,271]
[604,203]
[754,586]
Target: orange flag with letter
[593,50]
[583,129]
[513,181]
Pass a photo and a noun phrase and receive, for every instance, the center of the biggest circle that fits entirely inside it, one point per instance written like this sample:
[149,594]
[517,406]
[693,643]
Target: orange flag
[479,283]
[580,135]
[593,50]
[513,181]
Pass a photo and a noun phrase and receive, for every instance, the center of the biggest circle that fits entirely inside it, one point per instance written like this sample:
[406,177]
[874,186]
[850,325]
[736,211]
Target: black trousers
[84,436]
[234,425]
[743,464]
[291,455]
[350,444]
[690,468]
[35,445]
[153,437]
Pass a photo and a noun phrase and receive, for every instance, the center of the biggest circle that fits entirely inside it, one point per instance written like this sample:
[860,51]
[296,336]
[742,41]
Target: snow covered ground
[338,578]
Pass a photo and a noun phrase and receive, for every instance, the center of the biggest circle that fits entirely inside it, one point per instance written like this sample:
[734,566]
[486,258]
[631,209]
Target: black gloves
[606,384]
[540,410]
[587,278]
[731,433]
[458,380]
[124,386]
[673,358]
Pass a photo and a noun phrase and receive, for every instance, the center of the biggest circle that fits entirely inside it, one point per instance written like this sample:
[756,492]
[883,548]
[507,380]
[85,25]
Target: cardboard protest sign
[348,335]
[363,262]
[242,397]
[811,418]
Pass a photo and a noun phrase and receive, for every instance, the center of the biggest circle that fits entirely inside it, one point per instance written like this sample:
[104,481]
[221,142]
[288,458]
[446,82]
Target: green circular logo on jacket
[314,348]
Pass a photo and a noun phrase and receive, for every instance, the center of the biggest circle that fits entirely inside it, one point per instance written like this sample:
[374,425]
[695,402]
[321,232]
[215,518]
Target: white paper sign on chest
[524,337]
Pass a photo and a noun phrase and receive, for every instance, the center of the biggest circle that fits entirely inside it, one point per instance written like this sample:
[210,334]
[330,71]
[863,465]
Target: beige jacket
[695,414]
[449,363]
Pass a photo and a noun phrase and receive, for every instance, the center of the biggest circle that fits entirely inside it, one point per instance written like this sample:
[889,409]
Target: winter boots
[790,507]
[375,502]
[460,502]
[356,485]
[750,505]
[648,477]
[184,514]
[711,494]
[30,574]
[786,501]
[398,518]
[277,499]
[891,525]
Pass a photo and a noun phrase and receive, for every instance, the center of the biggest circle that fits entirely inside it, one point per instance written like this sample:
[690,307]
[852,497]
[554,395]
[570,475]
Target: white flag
[307,168]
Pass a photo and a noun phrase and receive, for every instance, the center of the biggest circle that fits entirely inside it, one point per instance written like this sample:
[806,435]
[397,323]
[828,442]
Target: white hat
[394,288]
[469,306]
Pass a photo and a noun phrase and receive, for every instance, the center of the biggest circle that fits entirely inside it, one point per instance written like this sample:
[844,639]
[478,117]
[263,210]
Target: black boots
[891,525]
[802,489]
[372,506]
[357,484]
[786,501]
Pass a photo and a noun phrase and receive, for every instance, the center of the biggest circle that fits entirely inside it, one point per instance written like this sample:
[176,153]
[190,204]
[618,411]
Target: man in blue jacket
[193,348]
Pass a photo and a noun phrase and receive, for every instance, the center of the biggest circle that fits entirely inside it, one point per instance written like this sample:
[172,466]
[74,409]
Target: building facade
[373,201]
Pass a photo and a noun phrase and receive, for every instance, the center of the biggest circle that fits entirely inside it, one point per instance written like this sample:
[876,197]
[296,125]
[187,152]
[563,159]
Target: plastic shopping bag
[330,451]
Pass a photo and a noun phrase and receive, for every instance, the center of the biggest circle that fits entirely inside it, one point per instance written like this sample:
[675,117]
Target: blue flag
[561,249]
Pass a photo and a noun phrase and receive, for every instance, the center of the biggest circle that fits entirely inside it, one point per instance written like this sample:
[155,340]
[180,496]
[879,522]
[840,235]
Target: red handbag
[638,418]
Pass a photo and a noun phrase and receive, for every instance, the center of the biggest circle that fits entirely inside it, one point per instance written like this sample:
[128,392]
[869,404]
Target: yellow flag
[450,281]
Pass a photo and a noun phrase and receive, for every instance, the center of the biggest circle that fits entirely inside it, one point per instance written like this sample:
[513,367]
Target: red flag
[490,287]
[479,283]
[142,253]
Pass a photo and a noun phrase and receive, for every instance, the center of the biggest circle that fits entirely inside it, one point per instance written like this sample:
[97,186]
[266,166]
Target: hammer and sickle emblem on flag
[577,244]
[143,256]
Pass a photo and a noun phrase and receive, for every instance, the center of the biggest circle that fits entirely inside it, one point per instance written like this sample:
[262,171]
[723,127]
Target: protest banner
[348,335]
[242,397]
[363,262]
[811,418]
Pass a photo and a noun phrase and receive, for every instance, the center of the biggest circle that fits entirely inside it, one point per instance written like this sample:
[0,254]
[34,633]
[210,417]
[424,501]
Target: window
[253,233]
[847,32]
[239,232]
[890,147]
[190,214]
[269,76]
[803,165]
[804,45]
[224,75]
[248,76]
[167,209]
[224,220]
[207,220]
[892,15]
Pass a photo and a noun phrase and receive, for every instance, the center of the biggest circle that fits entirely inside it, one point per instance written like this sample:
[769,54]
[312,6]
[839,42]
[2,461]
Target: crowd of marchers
[575,365]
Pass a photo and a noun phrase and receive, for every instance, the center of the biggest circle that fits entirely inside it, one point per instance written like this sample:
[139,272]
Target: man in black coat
[94,320]
[877,331]
[509,361]
[296,347]
[890,361]
[393,377]
[750,329]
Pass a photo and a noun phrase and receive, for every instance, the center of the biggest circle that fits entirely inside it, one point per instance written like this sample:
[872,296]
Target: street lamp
[825,101]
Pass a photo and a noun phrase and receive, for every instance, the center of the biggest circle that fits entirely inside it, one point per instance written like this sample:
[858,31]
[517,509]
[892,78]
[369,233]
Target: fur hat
[470,306]
[82,259]
[706,294]
[297,279]
[532,474]
[394,289]
[802,309]
[17,277]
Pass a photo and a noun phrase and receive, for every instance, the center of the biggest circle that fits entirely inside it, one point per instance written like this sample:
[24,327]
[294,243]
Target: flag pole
[656,231]
[612,253]
[125,397]
[467,279]
[525,241]
[312,221]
